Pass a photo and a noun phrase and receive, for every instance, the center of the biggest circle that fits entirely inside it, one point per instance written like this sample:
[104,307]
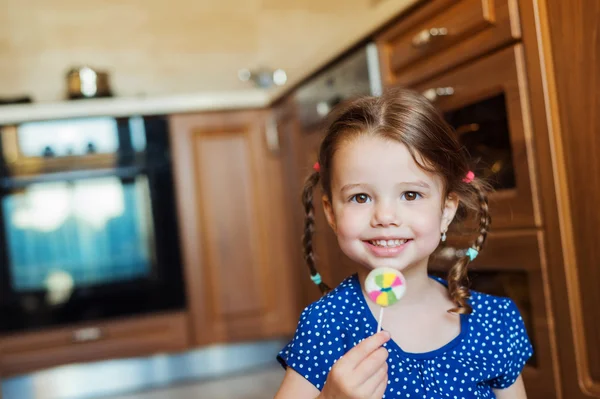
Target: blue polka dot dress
[489,352]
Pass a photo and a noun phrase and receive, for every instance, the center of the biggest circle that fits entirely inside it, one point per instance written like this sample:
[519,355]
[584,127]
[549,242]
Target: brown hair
[406,117]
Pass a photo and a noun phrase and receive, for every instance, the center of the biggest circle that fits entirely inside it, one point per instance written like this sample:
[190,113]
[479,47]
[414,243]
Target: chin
[391,263]
[401,266]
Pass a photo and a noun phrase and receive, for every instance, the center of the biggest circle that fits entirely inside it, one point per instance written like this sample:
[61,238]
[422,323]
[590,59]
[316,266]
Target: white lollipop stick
[380,319]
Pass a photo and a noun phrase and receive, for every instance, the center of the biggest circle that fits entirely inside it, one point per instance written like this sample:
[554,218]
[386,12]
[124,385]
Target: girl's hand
[361,373]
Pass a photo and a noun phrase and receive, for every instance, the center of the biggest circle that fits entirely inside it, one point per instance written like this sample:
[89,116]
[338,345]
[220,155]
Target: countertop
[123,106]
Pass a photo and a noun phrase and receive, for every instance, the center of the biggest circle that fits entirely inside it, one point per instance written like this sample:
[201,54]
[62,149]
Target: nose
[385,214]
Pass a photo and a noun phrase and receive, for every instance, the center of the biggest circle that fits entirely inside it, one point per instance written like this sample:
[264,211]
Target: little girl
[393,178]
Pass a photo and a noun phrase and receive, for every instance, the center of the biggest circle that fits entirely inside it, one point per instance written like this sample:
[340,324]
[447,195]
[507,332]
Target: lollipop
[385,287]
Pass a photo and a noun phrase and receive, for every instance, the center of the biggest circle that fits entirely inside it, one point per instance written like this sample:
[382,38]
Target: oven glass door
[82,233]
[87,226]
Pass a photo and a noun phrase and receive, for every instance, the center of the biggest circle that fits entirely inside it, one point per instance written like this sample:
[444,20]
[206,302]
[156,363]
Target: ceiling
[154,47]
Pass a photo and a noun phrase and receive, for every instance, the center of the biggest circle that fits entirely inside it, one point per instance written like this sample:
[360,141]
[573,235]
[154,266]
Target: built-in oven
[88,227]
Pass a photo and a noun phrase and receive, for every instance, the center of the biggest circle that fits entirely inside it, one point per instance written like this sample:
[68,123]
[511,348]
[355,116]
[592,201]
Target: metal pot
[85,82]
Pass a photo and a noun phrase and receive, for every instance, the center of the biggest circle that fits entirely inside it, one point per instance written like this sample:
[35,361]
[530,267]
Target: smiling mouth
[388,243]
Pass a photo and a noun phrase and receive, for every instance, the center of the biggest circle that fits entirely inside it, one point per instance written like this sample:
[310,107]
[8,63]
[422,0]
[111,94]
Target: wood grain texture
[475,28]
[232,253]
[569,43]
[138,336]
[236,243]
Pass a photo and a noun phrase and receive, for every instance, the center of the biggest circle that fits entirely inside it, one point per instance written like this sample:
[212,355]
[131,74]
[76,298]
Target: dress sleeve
[318,343]
[519,347]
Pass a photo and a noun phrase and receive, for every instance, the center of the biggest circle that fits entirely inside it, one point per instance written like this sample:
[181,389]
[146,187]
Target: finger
[369,366]
[374,383]
[365,348]
[380,389]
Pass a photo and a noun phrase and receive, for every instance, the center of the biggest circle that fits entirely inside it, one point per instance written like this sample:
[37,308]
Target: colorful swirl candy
[385,287]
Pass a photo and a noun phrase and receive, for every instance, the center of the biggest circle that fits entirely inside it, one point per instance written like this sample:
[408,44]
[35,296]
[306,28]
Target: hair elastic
[316,278]
[317,167]
[469,177]
[472,253]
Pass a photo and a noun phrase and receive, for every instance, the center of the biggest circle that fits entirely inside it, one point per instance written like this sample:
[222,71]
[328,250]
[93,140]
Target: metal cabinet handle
[272,135]
[87,334]
[434,93]
[425,36]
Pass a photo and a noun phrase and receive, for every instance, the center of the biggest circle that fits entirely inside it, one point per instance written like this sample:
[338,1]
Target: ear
[329,213]
[449,211]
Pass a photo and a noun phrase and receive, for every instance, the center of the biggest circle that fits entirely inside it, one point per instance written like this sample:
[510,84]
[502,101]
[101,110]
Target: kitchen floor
[261,384]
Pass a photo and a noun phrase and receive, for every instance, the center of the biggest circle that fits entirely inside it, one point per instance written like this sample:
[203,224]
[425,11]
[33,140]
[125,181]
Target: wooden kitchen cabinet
[136,336]
[568,84]
[234,222]
[486,103]
[443,34]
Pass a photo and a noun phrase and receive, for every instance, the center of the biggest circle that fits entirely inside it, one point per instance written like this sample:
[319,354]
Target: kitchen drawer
[487,104]
[512,265]
[23,353]
[443,34]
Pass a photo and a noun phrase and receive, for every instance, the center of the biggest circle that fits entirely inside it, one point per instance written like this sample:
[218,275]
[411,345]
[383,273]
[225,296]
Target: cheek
[350,222]
[427,224]
[427,233]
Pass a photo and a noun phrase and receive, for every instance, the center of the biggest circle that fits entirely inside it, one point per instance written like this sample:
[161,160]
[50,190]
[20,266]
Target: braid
[309,227]
[457,276]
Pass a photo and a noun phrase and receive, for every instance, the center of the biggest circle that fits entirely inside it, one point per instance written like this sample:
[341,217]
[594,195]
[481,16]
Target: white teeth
[387,243]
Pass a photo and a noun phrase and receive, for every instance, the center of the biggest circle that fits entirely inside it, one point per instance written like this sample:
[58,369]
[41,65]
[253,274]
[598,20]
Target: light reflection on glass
[138,133]
[69,137]
[59,287]
[93,230]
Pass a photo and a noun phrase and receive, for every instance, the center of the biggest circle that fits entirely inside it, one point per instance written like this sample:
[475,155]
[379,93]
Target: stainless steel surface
[125,377]
[354,75]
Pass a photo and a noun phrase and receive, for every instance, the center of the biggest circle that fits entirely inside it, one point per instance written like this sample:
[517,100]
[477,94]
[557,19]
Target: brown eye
[360,198]
[411,195]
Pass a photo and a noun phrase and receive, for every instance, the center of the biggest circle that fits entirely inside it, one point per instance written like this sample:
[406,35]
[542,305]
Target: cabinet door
[442,34]
[137,336]
[233,220]
[487,104]
[571,51]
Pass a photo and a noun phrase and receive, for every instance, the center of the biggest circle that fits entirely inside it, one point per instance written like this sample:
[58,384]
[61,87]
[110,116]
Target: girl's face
[385,210]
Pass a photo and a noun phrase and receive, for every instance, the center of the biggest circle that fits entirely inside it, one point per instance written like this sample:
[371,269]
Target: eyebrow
[349,187]
[417,183]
